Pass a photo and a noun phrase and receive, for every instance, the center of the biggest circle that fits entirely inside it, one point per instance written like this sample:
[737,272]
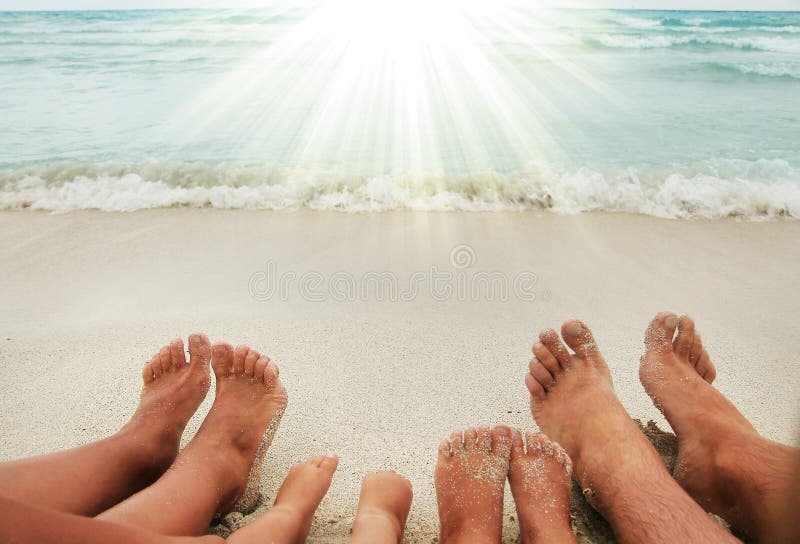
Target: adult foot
[289,520]
[573,402]
[470,477]
[382,509]
[722,460]
[541,480]
[250,400]
[173,389]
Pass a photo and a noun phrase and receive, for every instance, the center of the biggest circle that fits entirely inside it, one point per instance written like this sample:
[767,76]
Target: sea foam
[762,189]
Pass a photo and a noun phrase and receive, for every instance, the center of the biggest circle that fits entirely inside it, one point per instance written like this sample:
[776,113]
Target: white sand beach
[87,297]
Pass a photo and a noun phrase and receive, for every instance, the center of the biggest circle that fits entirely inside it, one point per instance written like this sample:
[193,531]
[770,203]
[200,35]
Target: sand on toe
[88,296]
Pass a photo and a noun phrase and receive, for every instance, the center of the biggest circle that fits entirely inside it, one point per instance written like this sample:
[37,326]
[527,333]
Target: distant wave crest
[761,189]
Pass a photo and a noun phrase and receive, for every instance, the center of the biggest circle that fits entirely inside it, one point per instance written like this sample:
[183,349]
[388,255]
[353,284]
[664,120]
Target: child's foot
[541,481]
[249,403]
[289,520]
[382,509]
[470,478]
[173,389]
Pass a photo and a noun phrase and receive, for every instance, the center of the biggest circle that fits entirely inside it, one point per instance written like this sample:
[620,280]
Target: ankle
[378,525]
[543,534]
[467,532]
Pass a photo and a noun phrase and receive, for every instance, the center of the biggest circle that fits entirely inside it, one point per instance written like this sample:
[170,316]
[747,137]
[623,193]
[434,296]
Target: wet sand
[87,297]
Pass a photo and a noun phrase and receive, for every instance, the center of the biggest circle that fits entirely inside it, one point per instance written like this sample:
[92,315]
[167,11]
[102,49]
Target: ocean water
[366,107]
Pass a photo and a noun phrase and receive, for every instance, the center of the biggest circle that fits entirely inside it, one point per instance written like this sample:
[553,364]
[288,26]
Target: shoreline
[90,295]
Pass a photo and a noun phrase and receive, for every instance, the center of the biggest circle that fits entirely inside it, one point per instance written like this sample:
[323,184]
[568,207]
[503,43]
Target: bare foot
[249,402]
[173,389]
[470,478]
[289,520]
[722,460]
[382,509]
[221,464]
[573,401]
[541,481]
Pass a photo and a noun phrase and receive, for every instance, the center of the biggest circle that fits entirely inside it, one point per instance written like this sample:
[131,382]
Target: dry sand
[87,297]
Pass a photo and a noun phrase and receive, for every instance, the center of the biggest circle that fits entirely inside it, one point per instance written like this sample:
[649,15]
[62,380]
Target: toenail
[574,329]
[332,455]
[671,322]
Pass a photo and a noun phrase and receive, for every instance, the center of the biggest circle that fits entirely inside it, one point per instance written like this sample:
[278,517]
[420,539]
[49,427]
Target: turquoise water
[675,114]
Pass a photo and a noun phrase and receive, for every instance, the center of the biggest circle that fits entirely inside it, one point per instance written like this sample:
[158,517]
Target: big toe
[658,337]
[199,352]
[578,336]
[222,359]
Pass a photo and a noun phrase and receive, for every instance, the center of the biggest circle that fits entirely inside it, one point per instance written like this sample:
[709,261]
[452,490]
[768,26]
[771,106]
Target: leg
[22,522]
[289,520]
[103,473]
[211,475]
[470,478]
[541,481]
[573,401]
[722,461]
[382,509]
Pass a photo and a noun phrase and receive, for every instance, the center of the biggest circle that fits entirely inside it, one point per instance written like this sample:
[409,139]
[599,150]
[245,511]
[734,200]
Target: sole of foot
[249,402]
[721,458]
[173,390]
[470,478]
[540,475]
[383,508]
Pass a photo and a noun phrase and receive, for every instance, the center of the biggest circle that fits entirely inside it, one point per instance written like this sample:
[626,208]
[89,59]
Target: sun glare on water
[410,88]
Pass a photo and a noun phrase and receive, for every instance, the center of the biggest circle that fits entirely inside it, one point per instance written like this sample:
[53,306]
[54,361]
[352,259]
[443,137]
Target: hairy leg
[382,509]
[89,479]
[211,474]
[723,462]
[289,520]
[573,401]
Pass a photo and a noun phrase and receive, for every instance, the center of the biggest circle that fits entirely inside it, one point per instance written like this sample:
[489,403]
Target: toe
[550,339]
[535,388]
[147,373]
[456,442]
[483,442]
[517,445]
[239,355]
[329,462]
[533,443]
[696,351]
[658,337]
[546,358]
[471,439]
[705,367]
[258,370]
[271,373]
[222,359]
[155,364]
[177,354]
[166,359]
[501,440]
[578,336]
[541,374]
[314,461]
[199,352]
[250,362]
[683,342]
[444,449]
